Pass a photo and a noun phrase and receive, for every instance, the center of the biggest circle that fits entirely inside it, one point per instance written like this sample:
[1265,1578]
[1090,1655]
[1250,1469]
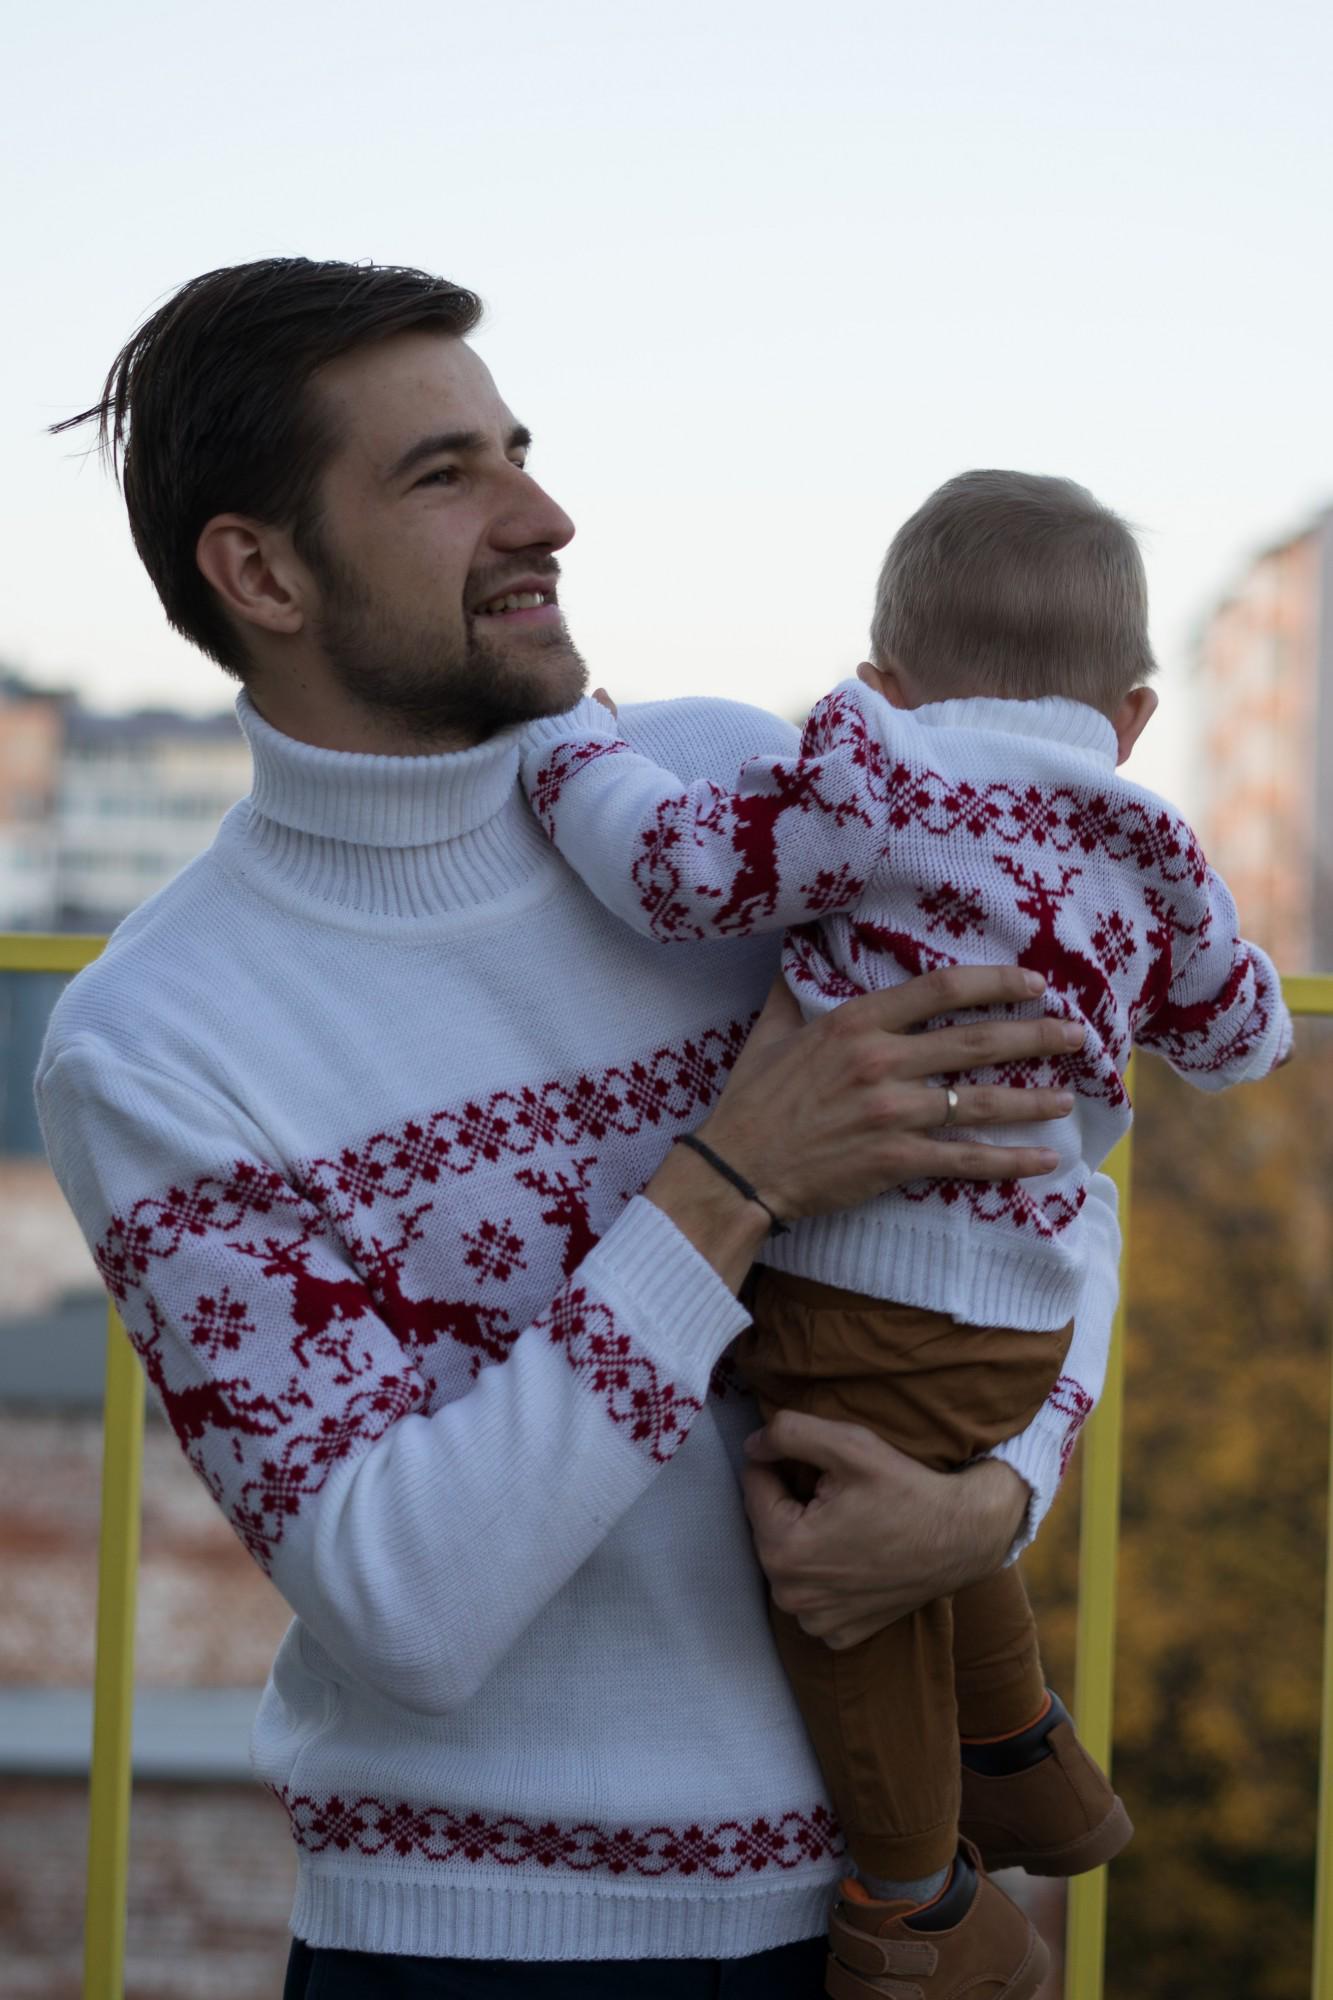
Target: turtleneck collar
[396,837]
[1058,719]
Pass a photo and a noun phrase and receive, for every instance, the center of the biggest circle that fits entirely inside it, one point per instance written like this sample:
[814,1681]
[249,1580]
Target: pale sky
[759,276]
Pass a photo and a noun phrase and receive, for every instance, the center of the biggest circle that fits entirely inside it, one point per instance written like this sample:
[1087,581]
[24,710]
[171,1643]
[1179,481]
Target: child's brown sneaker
[1057,1815]
[971,1943]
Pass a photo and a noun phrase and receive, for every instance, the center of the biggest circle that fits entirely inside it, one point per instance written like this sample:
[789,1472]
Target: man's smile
[524,602]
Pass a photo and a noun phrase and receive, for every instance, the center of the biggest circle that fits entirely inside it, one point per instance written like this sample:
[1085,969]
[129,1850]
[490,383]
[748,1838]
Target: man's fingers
[767,1501]
[951,989]
[941,1159]
[821,1441]
[991,1104]
[978,1044]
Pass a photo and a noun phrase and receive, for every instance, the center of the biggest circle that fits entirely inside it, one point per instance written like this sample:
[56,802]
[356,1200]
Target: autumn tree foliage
[1221,1580]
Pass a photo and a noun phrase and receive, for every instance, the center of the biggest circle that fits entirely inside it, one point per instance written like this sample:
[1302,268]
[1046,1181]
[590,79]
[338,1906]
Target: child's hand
[600,694]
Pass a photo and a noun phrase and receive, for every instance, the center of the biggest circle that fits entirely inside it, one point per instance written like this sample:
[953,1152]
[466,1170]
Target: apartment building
[139,796]
[31,736]
[1265,666]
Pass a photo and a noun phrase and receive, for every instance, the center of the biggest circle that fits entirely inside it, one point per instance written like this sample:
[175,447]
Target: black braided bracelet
[776,1227]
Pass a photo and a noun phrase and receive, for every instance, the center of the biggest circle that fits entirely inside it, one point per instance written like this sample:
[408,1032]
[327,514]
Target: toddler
[959,803]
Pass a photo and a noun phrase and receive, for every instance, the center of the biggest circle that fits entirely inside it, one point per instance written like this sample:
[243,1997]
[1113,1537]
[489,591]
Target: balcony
[1079,1617]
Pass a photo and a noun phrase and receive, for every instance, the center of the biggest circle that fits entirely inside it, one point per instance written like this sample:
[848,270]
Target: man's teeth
[526,600]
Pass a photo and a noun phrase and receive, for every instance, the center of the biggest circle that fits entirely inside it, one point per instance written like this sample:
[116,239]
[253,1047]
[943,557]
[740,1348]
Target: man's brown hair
[208,409]
[1011,584]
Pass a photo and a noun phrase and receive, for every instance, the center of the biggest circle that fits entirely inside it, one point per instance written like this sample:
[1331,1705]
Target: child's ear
[887,681]
[1132,717]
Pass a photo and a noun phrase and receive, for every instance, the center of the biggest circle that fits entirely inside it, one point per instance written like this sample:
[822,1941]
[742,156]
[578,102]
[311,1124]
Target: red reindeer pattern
[226,1404]
[325,1309]
[483,1331]
[750,823]
[1066,971]
[568,1196]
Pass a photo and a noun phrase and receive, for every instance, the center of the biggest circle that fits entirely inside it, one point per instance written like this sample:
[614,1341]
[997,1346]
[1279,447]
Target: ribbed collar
[1052,717]
[404,837]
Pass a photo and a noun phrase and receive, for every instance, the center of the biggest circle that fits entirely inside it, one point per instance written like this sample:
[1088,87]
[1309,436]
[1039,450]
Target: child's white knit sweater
[355,1114]
[984,831]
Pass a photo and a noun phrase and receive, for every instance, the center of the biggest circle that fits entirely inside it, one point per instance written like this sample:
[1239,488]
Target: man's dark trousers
[792,1972]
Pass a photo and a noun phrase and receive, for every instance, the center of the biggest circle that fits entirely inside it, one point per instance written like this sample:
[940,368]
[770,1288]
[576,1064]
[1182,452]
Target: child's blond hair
[1011,584]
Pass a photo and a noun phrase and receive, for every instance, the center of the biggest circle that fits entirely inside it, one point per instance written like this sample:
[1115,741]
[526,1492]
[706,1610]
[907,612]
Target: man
[369,1118]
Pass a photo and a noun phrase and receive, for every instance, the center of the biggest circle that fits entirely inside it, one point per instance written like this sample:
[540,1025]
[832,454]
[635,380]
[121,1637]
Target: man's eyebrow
[441,442]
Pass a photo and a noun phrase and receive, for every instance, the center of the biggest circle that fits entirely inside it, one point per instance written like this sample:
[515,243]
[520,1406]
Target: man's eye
[444,475]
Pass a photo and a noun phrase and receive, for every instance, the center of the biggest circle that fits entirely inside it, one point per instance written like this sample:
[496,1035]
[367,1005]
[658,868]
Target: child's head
[1009,584]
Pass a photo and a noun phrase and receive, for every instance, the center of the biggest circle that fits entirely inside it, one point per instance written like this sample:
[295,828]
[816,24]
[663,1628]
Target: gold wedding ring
[951,1102]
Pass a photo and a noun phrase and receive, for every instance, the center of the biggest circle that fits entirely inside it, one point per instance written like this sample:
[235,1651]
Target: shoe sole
[1076,1857]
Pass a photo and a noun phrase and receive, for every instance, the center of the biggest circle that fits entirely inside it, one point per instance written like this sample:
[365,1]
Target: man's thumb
[820,1441]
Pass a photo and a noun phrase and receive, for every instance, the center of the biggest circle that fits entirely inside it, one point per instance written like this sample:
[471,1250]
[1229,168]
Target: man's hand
[882,1534]
[824,1115]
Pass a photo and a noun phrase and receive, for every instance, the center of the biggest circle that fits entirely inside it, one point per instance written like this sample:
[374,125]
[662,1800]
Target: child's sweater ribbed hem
[878,1251]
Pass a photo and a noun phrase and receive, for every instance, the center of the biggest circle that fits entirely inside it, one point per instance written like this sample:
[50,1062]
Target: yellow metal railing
[118,1557]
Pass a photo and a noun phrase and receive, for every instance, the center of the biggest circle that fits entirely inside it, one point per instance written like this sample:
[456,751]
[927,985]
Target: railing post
[113,1689]
[1322,1978]
[1094,1669]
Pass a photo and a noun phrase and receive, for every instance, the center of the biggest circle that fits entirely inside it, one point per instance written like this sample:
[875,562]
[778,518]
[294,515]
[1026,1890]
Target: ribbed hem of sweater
[646,1265]
[508,1919]
[942,1270]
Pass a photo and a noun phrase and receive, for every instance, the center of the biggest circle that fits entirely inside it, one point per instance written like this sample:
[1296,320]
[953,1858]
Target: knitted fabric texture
[896,842]
[355,1116]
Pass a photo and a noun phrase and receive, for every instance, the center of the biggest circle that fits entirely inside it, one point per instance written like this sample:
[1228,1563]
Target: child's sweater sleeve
[1214,1007]
[416,1544]
[797,838]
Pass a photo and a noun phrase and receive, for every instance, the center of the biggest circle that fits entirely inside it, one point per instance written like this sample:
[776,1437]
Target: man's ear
[1132,717]
[254,571]
[890,681]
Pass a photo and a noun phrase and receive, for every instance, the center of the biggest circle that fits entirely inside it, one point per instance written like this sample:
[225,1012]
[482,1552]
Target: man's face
[430,530]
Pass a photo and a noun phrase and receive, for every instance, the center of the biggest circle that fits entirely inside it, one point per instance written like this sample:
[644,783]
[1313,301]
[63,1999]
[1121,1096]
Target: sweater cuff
[670,1294]
[1035,1456]
[573,725]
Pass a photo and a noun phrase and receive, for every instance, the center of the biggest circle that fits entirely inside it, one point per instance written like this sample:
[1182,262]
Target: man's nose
[530,518]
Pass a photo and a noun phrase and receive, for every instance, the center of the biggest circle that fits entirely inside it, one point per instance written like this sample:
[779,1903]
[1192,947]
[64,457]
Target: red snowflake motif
[218,1323]
[832,889]
[951,909]
[494,1251]
[1114,940]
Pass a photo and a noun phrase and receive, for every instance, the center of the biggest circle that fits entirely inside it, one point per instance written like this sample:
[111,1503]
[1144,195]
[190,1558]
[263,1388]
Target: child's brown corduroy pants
[885,1716]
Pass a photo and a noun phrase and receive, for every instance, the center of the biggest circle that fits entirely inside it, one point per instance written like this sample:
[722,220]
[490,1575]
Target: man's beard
[440,690]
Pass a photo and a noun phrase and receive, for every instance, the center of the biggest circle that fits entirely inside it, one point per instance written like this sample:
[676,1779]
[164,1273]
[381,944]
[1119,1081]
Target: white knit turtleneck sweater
[354,1115]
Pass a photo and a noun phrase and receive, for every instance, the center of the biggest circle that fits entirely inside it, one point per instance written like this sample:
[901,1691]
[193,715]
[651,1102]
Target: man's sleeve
[1041,1454]
[1217,1015]
[416,1546]
[796,837]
